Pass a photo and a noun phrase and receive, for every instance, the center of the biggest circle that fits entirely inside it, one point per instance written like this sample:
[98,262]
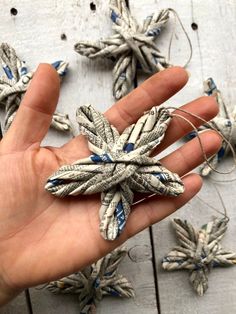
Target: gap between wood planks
[150,228]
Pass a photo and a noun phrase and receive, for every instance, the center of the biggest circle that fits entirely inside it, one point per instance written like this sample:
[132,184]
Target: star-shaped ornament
[132,46]
[199,251]
[95,282]
[15,81]
[120,165]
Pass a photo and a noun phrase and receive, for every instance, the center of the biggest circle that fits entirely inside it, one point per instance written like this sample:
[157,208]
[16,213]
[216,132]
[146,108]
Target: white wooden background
[35,32]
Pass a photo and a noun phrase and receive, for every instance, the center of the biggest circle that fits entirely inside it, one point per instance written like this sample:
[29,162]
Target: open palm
[42,237]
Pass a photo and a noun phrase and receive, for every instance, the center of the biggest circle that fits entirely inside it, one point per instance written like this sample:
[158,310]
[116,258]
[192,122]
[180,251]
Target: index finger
[153,92]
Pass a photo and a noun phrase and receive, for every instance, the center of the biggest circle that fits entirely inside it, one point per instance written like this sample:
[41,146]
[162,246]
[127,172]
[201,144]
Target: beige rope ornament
[199,251]
[224,123]
[14,83]
[95,282]
[132,46]
[120,165]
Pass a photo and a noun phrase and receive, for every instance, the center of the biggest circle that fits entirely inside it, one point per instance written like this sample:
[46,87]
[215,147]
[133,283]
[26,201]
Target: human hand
[42,237]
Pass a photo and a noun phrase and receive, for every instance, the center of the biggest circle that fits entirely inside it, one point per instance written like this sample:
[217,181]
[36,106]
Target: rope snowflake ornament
[95,282]
[199,251]
[14,83]
[132,46]
[120,165]
[224,123]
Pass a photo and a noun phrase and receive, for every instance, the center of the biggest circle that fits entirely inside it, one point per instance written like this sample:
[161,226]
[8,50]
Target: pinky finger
[157,208]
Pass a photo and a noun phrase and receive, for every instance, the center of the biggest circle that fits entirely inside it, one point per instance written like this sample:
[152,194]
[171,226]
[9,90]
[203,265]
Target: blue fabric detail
[96,283]
[221,153]
[129,147]
[100,158]
[161,176]
[154,32]
[191,135]
[56,65]
[228,123]
[123,76]
[119,213]
[114,293]
[56,181]
[8,72]
[212,87]
[23,71]
[114,16]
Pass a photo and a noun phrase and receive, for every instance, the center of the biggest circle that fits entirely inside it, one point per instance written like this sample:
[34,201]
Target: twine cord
[120,165]
[207,125]
[95,282]
[225,124]
[176,16]
[14,83]
[224,213]
[132,46]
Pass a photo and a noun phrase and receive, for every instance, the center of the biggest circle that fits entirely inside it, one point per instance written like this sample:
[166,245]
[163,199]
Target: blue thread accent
[96,283]
[23,71]
[161,176]
[191,135]
[154,32]
[129,147]
[215,264]
[56,65]
[56,182]
[8,72]
[114,293]
[119,213]
[122,76]
[212,87]
[114,16]
[228,123]
[221,153]
[100,158]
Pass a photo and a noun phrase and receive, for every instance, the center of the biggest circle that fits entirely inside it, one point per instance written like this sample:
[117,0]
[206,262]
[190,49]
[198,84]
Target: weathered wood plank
[35,32]
[214,45]
[17,306]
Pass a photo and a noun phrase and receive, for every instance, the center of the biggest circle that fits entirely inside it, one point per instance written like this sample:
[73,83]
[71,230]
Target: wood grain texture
[214,47]
[35,32]
[17,306]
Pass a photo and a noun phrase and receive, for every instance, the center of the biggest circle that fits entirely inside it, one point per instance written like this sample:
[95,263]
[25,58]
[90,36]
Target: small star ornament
[119,166]
[131,47]
[15,81]
[199,251]
[95,282]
